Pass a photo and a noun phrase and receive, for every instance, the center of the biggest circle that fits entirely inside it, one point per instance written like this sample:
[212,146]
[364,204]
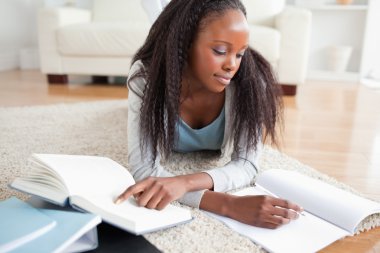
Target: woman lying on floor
[196,85]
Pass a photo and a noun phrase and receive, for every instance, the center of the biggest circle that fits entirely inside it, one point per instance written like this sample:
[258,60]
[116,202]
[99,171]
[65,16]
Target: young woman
[196,85]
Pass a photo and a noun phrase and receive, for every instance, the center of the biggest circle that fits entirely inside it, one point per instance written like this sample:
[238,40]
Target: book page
[129,216]
[306,234]
[44,191]
[88,174]
[335,205]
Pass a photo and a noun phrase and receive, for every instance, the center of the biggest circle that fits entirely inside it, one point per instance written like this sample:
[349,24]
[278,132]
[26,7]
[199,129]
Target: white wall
[18,29]
[334,25]
[336,28]
[371,54]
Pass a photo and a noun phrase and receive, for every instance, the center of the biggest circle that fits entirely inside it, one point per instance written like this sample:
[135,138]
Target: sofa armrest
[294,25]
[49,20]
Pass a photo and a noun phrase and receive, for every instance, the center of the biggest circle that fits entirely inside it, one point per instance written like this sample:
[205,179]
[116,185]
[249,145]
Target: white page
[95,182]
[129,216]
[306,234]
[88,174]
[332,204]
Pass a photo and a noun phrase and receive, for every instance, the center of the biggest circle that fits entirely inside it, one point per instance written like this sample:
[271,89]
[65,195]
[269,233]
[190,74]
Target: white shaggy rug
[100,128]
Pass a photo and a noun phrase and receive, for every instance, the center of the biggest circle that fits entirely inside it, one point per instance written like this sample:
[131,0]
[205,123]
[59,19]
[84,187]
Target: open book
[92,183]
[330,213]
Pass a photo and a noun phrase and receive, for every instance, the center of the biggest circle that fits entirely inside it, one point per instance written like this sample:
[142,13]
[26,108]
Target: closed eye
[218,52]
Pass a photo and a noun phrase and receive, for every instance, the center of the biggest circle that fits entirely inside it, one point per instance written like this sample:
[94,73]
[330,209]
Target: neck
[192,88]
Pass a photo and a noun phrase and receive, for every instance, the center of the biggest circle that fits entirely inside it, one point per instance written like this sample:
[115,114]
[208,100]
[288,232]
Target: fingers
[136,190]
[285,213]
[275,222]
[279,212]
[278,220]
[157,199]
[148,193]
[151,196]
[163,203]
[286,209]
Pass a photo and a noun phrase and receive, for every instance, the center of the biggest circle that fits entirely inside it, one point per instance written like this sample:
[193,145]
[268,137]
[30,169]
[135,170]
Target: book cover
[21,223]
[74,231]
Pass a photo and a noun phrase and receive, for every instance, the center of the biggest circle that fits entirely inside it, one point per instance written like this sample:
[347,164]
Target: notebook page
[328,202]
[306,234]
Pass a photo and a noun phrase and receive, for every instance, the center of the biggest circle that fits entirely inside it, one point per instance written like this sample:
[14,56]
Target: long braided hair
[256,105]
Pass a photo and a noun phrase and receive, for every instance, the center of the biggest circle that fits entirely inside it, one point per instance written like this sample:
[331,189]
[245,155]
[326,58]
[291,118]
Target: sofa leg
[100,79]
[57,79]
[289,89]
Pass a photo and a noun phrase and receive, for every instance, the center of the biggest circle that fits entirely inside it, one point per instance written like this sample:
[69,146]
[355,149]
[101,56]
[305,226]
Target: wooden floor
[332,127]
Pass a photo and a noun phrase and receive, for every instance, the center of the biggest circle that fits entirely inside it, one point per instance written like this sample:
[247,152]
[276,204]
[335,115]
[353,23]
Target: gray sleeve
[240,171]
[140,165]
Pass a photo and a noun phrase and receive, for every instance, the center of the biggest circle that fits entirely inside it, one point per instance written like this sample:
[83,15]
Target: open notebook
[330,213]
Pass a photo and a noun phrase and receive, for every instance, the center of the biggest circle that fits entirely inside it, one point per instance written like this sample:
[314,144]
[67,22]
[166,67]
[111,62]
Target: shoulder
[135,82]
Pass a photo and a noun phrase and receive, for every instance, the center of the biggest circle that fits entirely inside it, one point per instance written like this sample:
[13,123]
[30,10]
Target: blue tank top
[209,137]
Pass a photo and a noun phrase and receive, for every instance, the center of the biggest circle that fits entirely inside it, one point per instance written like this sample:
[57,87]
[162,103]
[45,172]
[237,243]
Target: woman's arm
[155,178]
[240,171]
[261,211]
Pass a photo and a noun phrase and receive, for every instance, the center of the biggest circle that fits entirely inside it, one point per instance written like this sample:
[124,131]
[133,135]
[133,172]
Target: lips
[223,79]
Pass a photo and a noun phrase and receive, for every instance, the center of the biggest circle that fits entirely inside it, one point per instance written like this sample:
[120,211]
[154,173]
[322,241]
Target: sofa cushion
[102,39]
[118,10]
[266,41]
[263,12]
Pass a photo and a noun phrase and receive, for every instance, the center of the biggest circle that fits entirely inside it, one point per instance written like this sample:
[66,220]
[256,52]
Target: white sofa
[97,42]
[104,40]
[282,35]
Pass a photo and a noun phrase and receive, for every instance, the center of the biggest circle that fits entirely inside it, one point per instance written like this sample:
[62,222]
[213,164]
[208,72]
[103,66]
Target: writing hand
[262,211]
[155,192]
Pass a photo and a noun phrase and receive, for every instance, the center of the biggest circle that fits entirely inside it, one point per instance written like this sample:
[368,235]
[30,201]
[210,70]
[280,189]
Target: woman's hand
[262,211]
[155,192]
[259,210]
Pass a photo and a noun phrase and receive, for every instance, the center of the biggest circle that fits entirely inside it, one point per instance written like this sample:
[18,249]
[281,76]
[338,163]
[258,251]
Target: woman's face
[217,50]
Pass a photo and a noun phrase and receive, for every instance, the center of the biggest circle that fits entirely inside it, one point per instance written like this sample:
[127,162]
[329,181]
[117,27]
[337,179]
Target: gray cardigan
[239,172]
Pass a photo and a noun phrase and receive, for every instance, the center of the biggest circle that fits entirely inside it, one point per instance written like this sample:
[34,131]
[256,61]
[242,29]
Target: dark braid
[255,80]
[256,104]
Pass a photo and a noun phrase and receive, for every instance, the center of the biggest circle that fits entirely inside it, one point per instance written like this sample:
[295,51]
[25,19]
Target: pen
[273,195]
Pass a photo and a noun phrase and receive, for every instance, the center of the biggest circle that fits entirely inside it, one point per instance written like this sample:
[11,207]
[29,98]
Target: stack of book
[25,228]
[88,184]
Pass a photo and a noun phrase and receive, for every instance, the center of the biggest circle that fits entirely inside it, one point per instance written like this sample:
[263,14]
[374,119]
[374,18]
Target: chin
[219,89]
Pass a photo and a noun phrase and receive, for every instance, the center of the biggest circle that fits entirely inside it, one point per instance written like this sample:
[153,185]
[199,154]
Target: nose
[230,64]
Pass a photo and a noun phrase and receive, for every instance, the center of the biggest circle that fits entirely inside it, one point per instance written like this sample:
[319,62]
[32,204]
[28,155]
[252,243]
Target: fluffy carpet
[99,128]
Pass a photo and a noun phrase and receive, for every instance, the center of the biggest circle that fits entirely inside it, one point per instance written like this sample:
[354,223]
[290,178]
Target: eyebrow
[226,42]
